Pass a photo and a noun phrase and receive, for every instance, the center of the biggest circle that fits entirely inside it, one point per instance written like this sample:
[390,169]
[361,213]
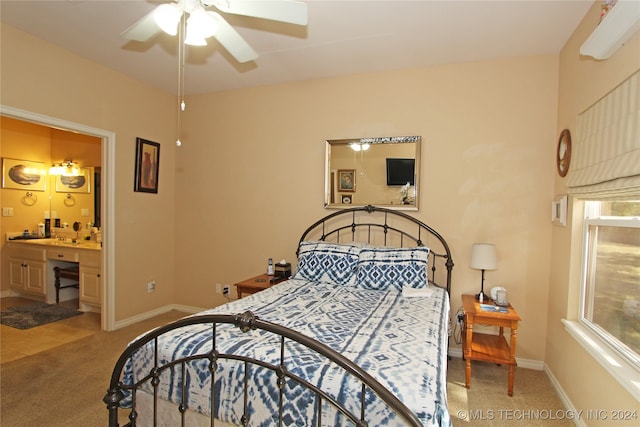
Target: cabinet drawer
[91,258]
[63,255]
[22,252]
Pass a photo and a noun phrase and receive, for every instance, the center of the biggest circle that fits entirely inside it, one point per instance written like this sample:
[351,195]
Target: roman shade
[606,153]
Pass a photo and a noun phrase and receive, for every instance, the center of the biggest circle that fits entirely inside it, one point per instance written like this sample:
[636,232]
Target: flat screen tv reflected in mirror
[400,172]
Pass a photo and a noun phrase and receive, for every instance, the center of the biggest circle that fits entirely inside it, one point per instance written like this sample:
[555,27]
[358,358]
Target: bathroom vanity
[31,274]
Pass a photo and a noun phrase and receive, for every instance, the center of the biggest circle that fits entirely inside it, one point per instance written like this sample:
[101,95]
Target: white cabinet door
[16,274]
[90,285]
[26,275]
[35,281]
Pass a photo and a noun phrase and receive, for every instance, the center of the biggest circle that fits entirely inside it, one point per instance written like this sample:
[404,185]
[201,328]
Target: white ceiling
[342,37]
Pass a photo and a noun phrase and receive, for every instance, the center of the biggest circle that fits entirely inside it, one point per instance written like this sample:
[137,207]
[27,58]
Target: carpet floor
[65,385]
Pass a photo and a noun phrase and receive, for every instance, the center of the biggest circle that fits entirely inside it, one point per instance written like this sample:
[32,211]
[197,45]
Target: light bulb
[201,25]
[178,142]
[167,17]
[182,105]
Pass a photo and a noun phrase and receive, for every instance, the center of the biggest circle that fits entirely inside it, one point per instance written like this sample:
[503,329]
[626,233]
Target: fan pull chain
[181,62]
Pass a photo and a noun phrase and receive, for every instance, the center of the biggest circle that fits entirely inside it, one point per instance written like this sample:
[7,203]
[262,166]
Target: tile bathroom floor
[17,343]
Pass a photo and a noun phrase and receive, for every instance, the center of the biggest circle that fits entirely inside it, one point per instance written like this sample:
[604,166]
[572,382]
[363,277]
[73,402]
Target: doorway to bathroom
[106,198]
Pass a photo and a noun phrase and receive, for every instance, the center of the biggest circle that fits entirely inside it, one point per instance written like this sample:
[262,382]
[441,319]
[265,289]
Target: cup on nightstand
[501,298]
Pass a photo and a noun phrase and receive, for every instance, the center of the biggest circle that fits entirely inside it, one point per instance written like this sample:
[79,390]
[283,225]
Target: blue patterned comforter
[401,341]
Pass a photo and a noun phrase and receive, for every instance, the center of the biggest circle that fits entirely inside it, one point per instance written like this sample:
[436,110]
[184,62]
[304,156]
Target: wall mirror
[382,171]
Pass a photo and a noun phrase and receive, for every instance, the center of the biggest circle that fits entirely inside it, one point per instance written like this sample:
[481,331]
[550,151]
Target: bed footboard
[120,389]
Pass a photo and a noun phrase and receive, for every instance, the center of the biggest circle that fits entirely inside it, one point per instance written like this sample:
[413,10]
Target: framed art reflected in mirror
[75,184]
[347,180]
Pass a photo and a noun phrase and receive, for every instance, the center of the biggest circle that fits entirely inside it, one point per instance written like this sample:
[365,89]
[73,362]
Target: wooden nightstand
[256,284]
[488,347]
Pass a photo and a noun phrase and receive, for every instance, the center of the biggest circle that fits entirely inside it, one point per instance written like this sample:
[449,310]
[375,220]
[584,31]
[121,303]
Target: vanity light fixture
[483,257]
[66,168]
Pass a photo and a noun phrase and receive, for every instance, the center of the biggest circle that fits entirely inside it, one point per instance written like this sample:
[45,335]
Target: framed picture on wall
[147,166]
[75,184]
[23,175]
[347,180]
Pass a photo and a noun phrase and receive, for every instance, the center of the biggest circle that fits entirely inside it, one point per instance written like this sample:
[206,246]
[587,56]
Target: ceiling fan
[202,23]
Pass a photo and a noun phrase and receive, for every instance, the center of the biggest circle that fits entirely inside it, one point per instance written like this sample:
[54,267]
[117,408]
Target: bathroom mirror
[381,171]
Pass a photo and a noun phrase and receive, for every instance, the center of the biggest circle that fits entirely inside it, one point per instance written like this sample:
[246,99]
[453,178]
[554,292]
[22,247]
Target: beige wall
[250,173]
[249,177]
[44,79]
[582,82]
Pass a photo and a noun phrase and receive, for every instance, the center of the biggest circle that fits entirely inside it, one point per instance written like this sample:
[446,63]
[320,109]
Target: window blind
[606,153]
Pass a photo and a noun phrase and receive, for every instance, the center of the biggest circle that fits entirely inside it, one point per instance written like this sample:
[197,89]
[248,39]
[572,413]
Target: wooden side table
[256,284]
[488,347]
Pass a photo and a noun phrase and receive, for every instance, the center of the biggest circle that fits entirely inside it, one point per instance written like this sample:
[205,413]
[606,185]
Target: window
[610,303]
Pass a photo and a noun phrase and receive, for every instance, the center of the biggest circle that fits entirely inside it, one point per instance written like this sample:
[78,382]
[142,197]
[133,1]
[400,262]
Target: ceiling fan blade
[293,12]
[142,30]
[232,41]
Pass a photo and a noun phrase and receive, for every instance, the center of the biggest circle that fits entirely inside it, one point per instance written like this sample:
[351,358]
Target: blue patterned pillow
[392,268]
[327,262]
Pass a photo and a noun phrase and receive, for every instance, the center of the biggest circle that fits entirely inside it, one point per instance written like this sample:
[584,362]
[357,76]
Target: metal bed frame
[248,321]
[326,230]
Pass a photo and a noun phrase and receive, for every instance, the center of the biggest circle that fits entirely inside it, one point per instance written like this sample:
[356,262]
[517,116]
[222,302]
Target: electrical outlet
[226,290]
[151,286]
[460,318]
[218,288]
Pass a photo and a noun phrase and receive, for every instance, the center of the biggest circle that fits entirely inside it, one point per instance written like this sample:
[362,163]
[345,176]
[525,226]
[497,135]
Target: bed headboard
[378,226]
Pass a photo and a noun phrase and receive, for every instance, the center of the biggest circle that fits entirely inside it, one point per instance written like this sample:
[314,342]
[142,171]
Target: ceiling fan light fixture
[167,16]
[201,24]
[193,40]
[355,146]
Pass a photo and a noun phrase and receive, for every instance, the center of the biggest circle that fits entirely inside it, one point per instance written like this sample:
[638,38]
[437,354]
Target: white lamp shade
[193,40]
[201,24]
[483,256]
[167,16]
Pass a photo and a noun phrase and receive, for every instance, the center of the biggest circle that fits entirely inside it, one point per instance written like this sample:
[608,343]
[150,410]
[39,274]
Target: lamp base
[485,297]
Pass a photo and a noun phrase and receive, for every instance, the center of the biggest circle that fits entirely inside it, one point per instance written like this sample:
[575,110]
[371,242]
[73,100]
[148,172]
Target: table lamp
[483,257]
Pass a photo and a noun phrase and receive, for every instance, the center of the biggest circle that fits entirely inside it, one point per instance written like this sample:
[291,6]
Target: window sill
[621,370]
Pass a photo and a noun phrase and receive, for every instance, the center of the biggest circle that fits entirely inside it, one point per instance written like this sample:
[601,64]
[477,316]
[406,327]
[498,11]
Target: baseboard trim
[7,293]
[563,396]
[158,311]
[536,365]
